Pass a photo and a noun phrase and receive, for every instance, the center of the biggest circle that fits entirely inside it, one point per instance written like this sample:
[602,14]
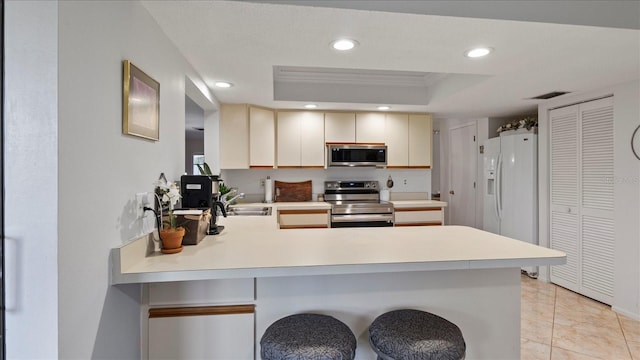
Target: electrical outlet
[405,181]
[149,200]
[262,182]
[144,199]
[140,200]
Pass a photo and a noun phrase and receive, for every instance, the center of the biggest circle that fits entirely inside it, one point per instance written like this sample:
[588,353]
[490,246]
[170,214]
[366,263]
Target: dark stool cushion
[308,337]
[416,335]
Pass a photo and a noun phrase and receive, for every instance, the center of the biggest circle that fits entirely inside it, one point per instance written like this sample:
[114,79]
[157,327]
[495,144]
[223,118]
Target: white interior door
[582,200]
[564,193]
[462,175]
[597,200]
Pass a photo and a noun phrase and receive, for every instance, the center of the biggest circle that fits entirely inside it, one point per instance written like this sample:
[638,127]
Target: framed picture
[140,103]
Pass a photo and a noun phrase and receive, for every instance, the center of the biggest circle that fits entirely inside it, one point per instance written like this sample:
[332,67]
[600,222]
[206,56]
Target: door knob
[452,192]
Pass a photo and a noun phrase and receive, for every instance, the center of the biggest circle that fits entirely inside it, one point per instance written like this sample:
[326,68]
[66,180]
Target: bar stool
[416,335]
[306,337]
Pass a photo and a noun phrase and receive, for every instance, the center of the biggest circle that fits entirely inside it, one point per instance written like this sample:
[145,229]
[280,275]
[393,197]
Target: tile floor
[558,324]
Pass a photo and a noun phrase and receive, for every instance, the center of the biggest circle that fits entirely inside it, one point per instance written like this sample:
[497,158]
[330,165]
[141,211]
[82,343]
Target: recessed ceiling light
[384,107]
[344,44]
[223,84]
[311,106]
[478,52]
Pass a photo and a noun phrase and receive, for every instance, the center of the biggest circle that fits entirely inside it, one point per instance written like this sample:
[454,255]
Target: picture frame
[140,103]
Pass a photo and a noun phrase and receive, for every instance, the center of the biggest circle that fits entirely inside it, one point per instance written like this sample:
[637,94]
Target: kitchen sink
[249,211]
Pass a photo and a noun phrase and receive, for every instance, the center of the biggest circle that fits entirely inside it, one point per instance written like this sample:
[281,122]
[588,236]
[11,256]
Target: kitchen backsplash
[405,180]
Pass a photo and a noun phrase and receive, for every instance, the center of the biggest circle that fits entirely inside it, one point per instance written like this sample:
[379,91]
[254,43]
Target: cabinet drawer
[418,216]
[219,332]
[297,219]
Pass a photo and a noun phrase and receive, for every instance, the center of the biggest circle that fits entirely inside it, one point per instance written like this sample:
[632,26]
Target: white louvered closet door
[597,227]
[582,197]
[564,193]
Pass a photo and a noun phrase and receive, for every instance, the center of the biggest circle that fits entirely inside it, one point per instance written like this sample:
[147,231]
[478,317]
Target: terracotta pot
[172,240]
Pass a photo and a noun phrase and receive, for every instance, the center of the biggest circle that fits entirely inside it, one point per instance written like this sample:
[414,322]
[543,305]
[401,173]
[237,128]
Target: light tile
[535,329]
[535,298]
[594,341]
[537,310]
[531,350]
[573,301]
[634,348]
[575,326]
[631,330]
[581,319]
[558,353]
[585,314]
[533,288]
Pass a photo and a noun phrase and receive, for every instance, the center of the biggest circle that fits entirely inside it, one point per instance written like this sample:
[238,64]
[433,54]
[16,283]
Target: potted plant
[206,170]
[171,234]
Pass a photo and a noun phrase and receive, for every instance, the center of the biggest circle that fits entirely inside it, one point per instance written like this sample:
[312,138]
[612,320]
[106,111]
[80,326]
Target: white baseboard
[629,314]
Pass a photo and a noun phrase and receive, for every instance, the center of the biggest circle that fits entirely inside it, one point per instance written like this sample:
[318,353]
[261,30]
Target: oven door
[361,220]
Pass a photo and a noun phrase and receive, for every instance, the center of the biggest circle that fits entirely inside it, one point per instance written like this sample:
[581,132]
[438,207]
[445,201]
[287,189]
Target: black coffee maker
[202,192]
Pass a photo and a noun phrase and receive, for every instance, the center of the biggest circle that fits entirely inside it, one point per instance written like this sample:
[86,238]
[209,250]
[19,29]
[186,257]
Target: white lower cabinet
[209,336]
[303,219]
[208,319]
[419,216]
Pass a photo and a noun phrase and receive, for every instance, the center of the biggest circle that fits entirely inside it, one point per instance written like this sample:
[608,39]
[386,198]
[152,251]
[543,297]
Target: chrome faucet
[228,202]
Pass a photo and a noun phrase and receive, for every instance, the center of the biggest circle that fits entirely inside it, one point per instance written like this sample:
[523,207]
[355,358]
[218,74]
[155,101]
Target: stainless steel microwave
[356,155]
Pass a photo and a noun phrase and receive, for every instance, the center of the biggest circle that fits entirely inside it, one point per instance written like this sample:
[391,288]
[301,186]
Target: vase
[171,240]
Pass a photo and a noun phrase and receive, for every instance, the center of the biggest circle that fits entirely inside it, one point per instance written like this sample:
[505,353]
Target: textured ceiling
[241,42]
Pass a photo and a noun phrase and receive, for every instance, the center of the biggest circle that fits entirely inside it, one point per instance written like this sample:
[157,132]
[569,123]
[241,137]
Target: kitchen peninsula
[468,276]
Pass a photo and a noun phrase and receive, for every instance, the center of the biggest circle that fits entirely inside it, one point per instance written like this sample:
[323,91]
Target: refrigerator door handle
[498,189]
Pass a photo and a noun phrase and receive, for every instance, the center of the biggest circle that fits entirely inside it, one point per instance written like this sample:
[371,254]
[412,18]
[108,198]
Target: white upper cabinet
[249,137]
[397,140]
[262,137]
[420,135]
[234,136]
[370,128]
[288,139]
[300,140]
[312,139]
[340,127]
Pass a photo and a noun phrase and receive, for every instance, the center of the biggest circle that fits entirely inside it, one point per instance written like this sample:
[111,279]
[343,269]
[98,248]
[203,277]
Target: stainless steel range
[357,204]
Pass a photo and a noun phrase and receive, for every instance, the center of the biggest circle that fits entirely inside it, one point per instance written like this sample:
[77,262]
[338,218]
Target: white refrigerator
[511,187]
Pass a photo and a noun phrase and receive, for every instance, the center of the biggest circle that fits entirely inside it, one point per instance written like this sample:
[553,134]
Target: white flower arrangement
[527,123]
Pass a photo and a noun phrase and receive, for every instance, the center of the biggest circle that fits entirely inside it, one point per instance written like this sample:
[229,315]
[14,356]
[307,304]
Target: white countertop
[253,246]
[289,205]
[324,205]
